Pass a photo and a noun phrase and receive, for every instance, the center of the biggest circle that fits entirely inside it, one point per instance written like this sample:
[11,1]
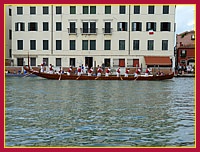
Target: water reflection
[99,113]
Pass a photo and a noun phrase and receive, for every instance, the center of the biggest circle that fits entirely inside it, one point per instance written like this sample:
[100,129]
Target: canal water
[64,113]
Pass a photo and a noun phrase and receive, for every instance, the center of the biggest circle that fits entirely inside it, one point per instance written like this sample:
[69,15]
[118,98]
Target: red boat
[85,77]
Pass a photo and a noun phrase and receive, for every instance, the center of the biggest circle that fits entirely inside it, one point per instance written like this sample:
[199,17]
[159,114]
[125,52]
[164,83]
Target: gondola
[85,77]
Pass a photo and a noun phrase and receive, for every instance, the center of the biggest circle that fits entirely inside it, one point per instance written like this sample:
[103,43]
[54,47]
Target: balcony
[107,30]
[72,31]
[89,31]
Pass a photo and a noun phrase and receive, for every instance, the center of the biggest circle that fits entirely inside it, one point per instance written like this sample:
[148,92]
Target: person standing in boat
[51,69]
[82,69]
[126,73]
[118,72]
[79,71]
[60,71]
[69,70]
[42,68]
[108,72]
[99,71]
[90,71]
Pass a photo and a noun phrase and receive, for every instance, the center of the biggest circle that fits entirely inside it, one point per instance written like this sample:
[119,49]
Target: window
[150,45]
[166,9]
[136,26]
[32,26]
[136,9]
[193,37]
[19,44]
[107,9]
[45,45]
[92,9]
[32,10]
[45,10]
[150,9]
[107,27]
[10,12]
[72,44]
[121,26]
[19,26]
[107,62]
[10,34]
[136,44]
[85,27]
[122,9]
[20,61]
[84,44]
[72,27]
[10,53]
[165,26]
[121,62]
[58,62]
[72,9]
[164,44]
[58,26]
[135,62]
[92,27]
[32,44]
[33,61]
[46,61]
[85,10]
[92,44]
[121,44]
[58,45]
[72,62]
[107,44]
[151,26]
[19,10]
[58,9]
[183,53]
[45,26]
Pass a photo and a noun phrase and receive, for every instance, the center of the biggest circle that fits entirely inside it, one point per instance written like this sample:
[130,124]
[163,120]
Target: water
[53,113]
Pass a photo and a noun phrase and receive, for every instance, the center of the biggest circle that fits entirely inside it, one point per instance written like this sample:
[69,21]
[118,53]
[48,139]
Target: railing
[72,30]
[89,31]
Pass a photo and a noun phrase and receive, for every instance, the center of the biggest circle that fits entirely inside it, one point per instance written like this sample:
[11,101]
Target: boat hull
[85,77]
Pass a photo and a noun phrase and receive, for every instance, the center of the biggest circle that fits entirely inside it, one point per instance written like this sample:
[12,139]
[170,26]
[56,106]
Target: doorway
[89,61]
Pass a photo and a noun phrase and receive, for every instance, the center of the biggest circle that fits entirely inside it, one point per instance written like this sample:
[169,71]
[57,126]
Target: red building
[185,51]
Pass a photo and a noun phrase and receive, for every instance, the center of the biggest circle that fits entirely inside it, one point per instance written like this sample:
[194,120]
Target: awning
[158,60]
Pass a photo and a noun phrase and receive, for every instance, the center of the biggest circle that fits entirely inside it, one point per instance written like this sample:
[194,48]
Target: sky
[185,18]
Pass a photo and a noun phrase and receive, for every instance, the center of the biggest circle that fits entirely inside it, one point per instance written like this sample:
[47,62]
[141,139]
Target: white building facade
[108,35]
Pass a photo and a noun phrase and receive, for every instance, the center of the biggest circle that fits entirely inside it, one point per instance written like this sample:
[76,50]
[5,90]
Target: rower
[99,70]
[147,72]
[118,72]
[126,73]
[69,70]
[108,72]
[90,71]
[79,71]
[137,72]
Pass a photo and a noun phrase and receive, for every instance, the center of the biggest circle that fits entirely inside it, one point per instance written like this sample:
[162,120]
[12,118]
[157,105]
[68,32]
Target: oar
[77,78]
[27,75]
[121,77]
[60,77]
[96,78]
[136,78]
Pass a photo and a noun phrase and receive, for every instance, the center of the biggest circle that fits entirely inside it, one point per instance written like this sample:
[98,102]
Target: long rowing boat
[85,77]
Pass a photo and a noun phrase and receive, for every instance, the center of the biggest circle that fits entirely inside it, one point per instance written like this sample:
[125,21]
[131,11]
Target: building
[126,36]
[8,36]
[185,50]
